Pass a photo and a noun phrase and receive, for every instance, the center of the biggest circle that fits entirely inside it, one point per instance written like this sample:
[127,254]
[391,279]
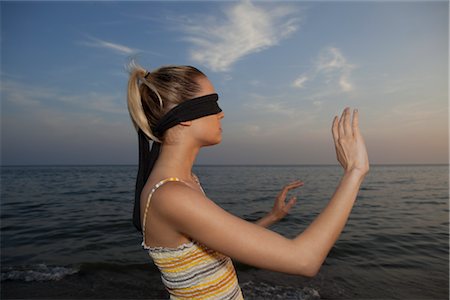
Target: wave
[39,272]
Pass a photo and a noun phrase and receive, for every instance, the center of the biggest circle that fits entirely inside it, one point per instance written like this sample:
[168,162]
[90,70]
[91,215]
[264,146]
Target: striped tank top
[192,270]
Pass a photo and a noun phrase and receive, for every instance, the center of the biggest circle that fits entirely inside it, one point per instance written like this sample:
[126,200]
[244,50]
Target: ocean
[66,232]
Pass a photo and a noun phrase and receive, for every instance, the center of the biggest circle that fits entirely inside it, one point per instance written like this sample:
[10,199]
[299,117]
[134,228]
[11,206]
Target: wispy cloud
[13,92]
[274,115]
[118,48]
[300,81]
[63,127]
[269,104]
[246,28]
[332,64]
[39,97]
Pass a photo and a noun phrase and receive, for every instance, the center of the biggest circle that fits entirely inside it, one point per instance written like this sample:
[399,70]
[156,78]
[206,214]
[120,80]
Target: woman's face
[208,130]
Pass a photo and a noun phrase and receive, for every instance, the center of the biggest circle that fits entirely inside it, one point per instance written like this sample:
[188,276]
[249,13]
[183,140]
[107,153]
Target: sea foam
[39,272]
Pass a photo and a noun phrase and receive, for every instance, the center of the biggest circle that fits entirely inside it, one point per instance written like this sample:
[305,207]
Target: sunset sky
[282,71]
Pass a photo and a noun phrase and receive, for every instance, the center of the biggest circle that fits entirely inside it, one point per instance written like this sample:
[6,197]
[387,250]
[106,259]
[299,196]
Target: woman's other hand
[281,208]
[350,147]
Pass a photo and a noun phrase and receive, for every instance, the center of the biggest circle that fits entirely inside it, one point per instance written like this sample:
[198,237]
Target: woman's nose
[221,115]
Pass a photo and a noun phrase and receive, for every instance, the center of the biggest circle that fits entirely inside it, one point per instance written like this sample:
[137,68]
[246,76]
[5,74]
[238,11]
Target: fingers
[335,129]
[293,185]
[347,122]
[345,125]
[341,123]
[290,186]
[355,123]
[290,204]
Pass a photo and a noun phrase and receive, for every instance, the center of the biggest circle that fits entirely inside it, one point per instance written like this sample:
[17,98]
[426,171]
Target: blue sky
[282,70]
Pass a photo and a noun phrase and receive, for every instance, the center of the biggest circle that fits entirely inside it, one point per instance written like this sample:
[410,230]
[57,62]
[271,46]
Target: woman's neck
[176,160]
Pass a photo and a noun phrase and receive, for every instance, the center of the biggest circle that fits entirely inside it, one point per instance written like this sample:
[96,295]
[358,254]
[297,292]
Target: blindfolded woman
[190,238]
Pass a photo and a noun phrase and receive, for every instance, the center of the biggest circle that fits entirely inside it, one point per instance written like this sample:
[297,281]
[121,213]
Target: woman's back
[192,270]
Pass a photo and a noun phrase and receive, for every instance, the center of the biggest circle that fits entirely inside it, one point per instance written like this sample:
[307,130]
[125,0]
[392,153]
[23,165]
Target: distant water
[58,221]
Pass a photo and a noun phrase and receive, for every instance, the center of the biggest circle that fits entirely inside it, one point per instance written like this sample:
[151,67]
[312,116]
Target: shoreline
[144,282]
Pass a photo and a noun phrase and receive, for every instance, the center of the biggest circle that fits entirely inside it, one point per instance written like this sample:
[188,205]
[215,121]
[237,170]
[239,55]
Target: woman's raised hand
[350,147]
[281,208]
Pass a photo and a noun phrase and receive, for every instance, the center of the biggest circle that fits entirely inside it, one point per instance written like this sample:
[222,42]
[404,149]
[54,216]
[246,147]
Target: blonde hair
[152,94]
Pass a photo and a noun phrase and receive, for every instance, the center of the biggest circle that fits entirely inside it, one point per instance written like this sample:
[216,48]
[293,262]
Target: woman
[190,238]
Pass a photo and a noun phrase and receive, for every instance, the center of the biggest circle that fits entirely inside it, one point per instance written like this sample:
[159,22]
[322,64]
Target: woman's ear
[186,123]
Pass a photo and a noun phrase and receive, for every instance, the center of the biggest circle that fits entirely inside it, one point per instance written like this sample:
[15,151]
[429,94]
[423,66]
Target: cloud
[38,97]
[121,49]
[269,105]
[252,129]
[332,61]
[13,92]
[345,84]
[246,29]
[299,82]
[56,126]
[333,65]
[274,115]
[318,103]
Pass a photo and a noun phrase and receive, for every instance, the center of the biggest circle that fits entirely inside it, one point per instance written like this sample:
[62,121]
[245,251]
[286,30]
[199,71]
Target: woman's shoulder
[171,190]
[154,183]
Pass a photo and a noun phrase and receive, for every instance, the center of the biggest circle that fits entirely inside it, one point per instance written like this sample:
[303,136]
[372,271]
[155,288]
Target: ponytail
[134,100]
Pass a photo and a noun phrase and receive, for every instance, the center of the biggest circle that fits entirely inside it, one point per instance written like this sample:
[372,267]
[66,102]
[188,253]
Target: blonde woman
[189,237]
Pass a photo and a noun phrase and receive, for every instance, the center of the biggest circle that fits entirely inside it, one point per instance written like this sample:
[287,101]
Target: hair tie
[146,74]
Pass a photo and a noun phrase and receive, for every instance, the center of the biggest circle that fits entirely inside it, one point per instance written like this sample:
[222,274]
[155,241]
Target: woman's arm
[280,208]
[351,153]
[320,236]
[266,221]
[193,214]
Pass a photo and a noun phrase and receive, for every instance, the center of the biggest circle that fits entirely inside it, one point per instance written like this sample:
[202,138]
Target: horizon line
[225,165]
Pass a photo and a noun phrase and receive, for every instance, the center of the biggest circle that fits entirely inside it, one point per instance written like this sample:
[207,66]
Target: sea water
[58,221]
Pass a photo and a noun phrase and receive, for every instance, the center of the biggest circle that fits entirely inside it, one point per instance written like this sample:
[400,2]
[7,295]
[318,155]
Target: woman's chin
[217,142]
[214,142]
[220,138]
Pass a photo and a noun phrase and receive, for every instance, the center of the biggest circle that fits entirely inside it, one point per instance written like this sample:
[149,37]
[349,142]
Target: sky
[282,70]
